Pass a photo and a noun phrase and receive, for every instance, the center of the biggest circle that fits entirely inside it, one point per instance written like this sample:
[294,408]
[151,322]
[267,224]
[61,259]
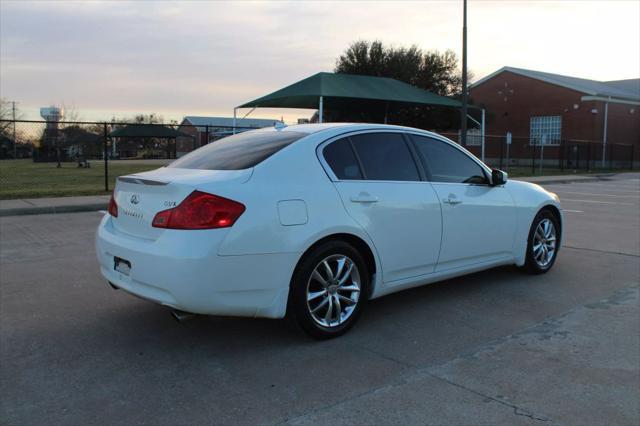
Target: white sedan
[311,221]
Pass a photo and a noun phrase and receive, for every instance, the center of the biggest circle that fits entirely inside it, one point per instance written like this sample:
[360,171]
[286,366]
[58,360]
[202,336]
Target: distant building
[542,108]
[208,129]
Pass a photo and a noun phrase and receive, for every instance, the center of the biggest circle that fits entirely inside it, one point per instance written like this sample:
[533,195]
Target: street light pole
[463,116]
[15,148]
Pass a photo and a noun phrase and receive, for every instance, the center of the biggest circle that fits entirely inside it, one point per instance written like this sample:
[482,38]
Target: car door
[478,220]
[380,184]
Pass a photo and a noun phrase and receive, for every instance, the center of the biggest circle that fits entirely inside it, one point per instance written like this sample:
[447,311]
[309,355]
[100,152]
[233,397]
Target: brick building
[569,116]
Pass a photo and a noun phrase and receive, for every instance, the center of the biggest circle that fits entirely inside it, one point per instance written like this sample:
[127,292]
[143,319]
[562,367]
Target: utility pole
[15,148]
[463,116]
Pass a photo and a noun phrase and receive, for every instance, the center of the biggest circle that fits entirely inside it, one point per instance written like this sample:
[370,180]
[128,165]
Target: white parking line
[608,190]
[593,193]
[572,211]
[597,202]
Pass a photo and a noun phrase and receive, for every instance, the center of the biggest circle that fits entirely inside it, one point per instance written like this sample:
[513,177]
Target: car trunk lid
[141,196]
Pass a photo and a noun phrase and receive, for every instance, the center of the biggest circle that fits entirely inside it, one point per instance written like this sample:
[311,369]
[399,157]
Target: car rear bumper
[182,269]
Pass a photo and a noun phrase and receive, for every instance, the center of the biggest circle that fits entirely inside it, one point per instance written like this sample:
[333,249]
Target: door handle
[452,200]
[364,197]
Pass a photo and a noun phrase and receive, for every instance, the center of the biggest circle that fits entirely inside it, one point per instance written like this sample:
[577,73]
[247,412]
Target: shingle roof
[228,121]
[621,89]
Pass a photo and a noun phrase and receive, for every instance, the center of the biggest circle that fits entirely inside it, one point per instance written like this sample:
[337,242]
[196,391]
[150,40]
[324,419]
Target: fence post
[533,159]
[610,156]
[502,142]
[106,158]
[560,154]
[588,157]
[631,166]
[206,129]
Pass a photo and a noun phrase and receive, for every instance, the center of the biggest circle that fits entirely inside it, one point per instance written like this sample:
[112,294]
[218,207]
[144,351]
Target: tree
[8,149]
[432,70]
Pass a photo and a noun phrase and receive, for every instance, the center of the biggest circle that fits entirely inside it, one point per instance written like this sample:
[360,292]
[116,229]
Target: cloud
[205,57]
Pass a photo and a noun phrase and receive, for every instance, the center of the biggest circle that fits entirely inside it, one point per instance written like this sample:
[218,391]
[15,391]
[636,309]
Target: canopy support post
[482,135]
[386,112]
[234,120]
[320,110]
[604,133]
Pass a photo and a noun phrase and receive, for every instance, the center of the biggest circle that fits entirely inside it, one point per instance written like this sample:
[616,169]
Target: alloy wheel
[333,290]
[544,243]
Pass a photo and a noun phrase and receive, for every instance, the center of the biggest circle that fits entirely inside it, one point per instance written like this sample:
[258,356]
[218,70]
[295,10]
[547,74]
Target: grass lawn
[525,171]
[26,179]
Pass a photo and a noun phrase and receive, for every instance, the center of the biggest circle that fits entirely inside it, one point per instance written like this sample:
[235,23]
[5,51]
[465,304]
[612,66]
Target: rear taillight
[200,211]
[113,207]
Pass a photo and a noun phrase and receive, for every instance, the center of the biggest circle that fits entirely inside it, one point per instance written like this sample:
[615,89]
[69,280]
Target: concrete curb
[23,211]
[540,180]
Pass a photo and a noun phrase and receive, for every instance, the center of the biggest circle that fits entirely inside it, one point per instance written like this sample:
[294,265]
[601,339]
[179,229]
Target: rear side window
[448,164]
[237,152]
[342,160]
[385,156]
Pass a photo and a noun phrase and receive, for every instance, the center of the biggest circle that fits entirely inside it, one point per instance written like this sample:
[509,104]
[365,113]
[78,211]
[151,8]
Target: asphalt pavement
[497,347]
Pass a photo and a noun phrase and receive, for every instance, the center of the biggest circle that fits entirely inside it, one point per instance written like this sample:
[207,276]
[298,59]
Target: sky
[118,58]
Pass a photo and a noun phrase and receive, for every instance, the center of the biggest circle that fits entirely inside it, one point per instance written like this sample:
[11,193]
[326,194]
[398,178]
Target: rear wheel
[542,247]
[329,288]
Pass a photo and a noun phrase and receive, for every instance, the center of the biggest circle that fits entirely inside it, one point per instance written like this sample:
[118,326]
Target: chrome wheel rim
[333,290]
[544,243]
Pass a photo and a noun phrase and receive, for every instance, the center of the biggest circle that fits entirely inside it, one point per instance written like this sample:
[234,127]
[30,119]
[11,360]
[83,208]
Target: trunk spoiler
[141,181]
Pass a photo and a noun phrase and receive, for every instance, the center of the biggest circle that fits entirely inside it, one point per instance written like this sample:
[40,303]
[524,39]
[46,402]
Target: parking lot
[494,347]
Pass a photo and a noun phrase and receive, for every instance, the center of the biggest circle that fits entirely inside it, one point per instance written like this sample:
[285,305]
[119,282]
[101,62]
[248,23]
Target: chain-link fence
[81,158]
[522,156]
[52,159]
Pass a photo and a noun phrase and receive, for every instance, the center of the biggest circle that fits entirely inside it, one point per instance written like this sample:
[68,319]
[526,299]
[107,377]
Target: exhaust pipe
[182,316]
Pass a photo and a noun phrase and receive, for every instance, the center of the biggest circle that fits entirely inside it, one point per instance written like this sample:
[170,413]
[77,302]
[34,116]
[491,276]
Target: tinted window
[447,163]
[385,156]
[237,152]
[341,159]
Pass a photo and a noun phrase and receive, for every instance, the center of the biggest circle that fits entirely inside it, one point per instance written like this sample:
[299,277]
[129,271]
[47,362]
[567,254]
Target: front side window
[385,156]
[340,157]
[545,130]
[446,163]
[237,152]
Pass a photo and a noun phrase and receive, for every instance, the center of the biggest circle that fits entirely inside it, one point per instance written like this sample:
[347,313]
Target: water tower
[52,115]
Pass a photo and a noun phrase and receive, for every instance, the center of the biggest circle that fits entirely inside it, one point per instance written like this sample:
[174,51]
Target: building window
[545,130]
[474,137]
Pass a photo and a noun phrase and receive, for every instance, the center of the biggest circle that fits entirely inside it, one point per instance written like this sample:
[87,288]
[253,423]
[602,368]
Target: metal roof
[305,93]
[146,131]
[621,89]
[228,121]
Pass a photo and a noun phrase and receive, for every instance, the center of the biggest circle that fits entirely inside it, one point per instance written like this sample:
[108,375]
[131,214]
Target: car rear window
[237,152]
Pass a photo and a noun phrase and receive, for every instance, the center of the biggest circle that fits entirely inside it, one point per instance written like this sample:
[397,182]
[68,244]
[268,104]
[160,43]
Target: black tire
[299,309]
[532,266]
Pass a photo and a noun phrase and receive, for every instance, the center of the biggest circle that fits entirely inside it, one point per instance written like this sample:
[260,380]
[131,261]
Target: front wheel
[542,247]
[329,289]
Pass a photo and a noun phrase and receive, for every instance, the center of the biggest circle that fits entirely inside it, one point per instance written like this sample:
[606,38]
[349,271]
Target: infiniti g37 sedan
[311,221]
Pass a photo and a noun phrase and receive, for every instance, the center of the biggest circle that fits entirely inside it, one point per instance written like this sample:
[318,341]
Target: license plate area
[121,265]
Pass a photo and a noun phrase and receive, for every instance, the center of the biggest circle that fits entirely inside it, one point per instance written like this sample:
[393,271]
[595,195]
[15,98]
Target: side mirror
[498,177]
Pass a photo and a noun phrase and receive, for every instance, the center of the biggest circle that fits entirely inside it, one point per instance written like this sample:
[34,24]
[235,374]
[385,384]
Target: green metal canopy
[146,131]
[306,93]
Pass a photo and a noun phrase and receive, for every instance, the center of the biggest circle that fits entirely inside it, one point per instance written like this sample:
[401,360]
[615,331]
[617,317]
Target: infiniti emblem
[135,199]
